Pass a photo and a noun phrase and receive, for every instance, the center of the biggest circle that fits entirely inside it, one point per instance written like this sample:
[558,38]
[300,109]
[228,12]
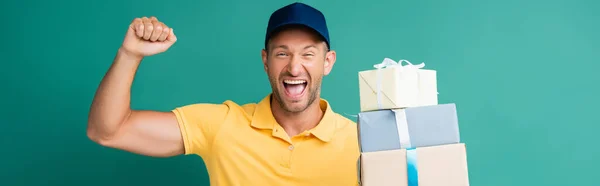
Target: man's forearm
[111,105]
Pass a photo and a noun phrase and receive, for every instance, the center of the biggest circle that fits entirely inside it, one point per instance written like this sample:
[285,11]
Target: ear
[329,61]
[263,54]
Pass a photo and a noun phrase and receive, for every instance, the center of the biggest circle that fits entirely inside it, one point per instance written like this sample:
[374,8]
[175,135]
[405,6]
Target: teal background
[522,73]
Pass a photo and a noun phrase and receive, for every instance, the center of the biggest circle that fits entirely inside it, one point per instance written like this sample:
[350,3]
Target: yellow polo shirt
[244,145]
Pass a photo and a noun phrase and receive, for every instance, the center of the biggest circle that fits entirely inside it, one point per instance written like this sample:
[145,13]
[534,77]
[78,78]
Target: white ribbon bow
[387,62]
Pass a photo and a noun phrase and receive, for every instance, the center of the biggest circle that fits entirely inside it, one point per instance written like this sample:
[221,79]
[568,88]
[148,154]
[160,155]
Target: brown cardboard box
[443,165]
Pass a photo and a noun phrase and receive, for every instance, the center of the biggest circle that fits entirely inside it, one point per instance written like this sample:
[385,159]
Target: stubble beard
[312,95]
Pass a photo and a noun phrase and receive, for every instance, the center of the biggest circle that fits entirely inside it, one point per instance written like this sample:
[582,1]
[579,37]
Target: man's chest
[261,156]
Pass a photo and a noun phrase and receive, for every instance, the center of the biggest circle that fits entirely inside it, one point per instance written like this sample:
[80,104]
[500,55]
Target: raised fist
[148,36]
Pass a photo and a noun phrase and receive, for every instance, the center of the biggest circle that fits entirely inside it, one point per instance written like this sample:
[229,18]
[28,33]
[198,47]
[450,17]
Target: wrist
[124,53]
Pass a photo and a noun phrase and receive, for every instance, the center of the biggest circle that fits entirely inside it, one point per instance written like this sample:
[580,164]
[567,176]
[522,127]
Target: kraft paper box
[392,85]
[410,127]
[444,165]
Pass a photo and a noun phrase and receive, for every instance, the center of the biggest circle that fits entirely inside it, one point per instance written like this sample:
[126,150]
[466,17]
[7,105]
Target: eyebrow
[311,46]
[286,47]
[280,46]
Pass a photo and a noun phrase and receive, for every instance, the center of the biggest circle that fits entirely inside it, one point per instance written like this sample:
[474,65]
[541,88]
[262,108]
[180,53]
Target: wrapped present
[392,85]
[422,166]
[409,127]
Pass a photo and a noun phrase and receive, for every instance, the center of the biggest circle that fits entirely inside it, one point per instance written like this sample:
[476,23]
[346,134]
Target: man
[290,137]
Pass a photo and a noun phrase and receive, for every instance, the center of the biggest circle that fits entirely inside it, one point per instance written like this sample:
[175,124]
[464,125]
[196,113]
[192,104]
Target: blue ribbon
[411,165]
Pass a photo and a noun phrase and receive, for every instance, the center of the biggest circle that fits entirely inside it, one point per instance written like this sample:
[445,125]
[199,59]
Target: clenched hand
[148,36]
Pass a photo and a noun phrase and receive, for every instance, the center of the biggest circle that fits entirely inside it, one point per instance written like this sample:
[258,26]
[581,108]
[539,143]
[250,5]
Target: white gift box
[391,85]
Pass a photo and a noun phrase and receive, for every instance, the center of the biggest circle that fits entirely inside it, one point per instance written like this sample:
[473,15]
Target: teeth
[294,82]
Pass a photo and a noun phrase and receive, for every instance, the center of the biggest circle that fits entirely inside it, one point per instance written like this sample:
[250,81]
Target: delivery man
[290,137]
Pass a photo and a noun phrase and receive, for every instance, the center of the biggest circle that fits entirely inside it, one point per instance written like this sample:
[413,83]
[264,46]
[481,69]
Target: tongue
[295,90]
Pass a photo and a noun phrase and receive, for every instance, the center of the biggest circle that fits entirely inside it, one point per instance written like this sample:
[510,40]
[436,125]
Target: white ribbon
[402,125]
[387,63]
[351,115]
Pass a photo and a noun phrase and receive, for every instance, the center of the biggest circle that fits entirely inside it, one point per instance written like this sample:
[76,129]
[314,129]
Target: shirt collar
[263,119]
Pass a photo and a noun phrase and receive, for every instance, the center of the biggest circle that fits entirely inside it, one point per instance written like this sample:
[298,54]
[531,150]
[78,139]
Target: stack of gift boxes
[406,138]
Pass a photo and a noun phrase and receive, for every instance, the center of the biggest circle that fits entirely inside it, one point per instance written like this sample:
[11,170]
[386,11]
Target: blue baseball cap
[298,14]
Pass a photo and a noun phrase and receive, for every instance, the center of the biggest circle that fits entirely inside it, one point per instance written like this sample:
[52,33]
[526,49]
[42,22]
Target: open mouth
[294,88]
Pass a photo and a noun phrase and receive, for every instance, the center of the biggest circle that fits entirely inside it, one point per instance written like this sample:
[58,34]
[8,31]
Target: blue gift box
[423,126]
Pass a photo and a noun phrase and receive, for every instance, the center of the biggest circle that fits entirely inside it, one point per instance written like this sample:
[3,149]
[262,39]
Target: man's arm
[112,122]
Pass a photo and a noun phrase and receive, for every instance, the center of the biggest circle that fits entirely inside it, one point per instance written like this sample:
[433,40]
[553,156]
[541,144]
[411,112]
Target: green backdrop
[522,73]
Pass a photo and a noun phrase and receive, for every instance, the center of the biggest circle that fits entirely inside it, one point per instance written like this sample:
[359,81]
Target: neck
[295,123]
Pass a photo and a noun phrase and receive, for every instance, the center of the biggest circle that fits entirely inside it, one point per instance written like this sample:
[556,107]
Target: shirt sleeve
[199,124]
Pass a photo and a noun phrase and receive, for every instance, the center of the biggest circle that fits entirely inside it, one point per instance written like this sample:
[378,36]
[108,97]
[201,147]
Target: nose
[295,67]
